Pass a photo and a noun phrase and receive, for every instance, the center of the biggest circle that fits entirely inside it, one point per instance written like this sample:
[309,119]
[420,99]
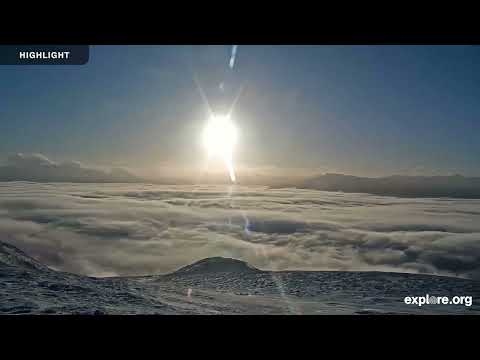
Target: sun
[220,137]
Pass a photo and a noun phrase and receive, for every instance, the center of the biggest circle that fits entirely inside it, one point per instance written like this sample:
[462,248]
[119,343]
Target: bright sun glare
[220,137]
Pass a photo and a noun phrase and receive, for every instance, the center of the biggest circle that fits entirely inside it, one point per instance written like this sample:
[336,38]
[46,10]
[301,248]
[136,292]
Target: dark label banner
[44,54]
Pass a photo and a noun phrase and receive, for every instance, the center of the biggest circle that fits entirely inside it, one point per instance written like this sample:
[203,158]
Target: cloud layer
[112,229]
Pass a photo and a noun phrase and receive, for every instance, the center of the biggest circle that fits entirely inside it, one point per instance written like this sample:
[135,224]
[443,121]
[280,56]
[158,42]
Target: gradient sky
[363,110]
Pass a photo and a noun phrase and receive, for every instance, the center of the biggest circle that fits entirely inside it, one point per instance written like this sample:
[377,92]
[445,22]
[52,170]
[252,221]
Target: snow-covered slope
[11,256]
[221,286]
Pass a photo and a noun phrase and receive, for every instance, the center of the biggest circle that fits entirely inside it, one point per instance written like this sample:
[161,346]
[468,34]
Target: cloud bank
[133,229]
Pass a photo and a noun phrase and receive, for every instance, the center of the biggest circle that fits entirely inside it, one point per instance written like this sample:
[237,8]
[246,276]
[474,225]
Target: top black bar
[213,38]
[254,27]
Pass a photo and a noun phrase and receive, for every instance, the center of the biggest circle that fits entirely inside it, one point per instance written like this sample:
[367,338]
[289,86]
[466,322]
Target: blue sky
[365,110]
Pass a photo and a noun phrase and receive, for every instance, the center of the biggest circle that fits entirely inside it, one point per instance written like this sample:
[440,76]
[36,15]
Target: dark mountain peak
[455,186]
[216,264]
[335,175]
[12,256]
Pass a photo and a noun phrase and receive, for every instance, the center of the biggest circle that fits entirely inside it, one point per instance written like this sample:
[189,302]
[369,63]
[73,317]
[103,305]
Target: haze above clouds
[131,229]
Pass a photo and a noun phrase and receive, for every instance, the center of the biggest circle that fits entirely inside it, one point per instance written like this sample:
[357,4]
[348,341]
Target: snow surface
[221,286]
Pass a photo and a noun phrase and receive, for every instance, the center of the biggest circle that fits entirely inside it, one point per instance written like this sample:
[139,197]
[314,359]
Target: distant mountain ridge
[397,185]
[38,168]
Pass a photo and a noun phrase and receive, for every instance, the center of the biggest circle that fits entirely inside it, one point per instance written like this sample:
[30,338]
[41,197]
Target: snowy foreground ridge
[221,286]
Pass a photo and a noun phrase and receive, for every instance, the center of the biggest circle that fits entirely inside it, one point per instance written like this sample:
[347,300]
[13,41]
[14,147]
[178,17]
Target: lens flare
[220,137]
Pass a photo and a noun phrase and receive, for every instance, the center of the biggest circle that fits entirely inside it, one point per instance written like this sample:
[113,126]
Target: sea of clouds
[133,229]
